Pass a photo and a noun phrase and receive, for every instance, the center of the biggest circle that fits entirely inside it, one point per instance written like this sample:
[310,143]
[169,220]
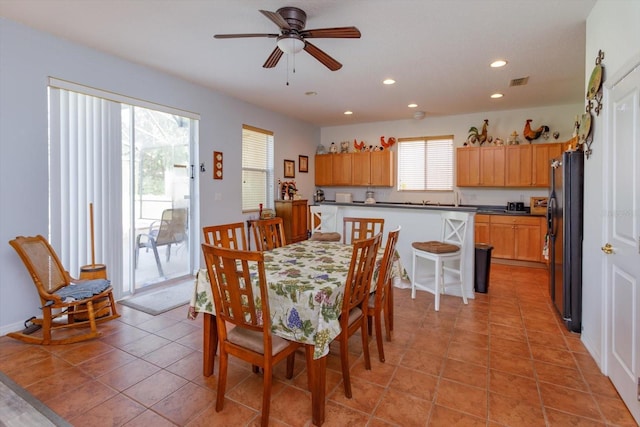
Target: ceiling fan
[293,37]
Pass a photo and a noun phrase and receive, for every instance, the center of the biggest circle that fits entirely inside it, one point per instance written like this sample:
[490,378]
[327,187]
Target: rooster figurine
[358,147]
[388,143]
[531,134]
[475,136]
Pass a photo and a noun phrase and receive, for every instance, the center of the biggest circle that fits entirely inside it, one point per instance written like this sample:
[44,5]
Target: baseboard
[18,326]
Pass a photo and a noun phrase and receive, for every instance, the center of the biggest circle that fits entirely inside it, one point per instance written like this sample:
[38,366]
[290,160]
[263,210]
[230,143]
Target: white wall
[501,124]
[612,26]
[27,59]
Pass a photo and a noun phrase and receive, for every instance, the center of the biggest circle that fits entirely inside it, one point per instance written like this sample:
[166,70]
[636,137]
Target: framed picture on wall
[289,169]
[303,164]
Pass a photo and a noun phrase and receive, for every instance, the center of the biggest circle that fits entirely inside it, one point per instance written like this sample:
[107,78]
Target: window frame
[268,169]
[447,168]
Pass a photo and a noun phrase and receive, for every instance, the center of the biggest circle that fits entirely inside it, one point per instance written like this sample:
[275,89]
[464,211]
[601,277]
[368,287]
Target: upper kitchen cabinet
[375,168]
[492,166]
[542,156]
[518,165]
[341,168]
[506,166]
[468,166]
[324,167]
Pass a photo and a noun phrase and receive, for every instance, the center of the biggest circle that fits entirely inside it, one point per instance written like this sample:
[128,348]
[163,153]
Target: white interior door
[623,234]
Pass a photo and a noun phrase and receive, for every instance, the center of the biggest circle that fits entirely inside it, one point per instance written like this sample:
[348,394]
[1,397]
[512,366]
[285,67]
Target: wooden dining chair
[230,236]
[65,302]
[245,307]
[354,305]
[380,300]
[268,233]
[360,228]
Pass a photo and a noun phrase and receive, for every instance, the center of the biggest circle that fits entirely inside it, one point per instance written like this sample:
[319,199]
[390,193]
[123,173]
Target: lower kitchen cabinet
[519,238]
[294,216]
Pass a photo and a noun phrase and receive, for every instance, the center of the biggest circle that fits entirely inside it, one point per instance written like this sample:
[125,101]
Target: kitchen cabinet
[541,160]
[294,217]
[506,166]
[492,166]
[518,165]
[468,166]
[323,169]
[517,237]
[375,168]
[482,229]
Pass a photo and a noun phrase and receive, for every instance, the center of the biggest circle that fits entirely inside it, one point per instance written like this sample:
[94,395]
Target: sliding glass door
[156,176]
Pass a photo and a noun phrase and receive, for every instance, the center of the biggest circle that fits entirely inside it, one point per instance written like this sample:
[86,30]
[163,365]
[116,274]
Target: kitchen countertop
[478,209]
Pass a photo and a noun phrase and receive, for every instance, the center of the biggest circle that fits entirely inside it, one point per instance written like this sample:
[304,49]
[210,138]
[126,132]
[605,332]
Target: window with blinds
[425,163]
[257,168]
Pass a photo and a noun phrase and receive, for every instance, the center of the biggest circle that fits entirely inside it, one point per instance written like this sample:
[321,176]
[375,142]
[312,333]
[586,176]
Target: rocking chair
[64,299]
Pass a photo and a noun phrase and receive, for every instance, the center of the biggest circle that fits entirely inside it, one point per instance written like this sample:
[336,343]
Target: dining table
[306,284]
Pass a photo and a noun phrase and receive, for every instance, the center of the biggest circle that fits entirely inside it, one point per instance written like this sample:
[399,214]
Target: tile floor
[503,360]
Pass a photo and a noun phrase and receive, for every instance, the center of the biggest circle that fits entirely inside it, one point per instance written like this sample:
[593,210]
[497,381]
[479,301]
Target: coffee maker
[318,196]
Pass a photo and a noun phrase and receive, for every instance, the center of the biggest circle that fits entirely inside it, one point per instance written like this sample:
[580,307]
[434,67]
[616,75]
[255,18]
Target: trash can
[483,265]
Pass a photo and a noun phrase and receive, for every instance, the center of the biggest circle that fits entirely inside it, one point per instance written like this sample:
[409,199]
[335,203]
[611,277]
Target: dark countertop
[478,209]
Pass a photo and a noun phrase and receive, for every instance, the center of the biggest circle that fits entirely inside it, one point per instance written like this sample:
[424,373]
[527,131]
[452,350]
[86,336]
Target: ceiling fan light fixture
[290,43]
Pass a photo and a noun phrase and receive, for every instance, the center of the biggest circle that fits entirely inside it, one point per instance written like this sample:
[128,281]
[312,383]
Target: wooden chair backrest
[268,233]
[361,228]
[358,282]
[233,291]
[384,272]
[230,236]
[173,226]
[43,265]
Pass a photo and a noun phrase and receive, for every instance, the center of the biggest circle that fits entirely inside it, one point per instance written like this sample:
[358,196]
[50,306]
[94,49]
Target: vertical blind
[85,153]
[425,163]
[257,168]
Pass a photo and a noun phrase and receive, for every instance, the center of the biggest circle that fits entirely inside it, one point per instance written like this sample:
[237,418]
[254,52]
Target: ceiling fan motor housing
[296,18]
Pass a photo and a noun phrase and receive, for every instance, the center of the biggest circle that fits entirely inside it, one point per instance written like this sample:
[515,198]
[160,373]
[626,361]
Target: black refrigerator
[565,225]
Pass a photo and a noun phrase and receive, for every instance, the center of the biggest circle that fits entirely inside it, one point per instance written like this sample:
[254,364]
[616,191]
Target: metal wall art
[594,102]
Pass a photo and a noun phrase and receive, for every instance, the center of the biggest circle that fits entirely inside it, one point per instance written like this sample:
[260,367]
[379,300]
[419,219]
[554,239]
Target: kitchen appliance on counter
[318,196]
[515,206]
[344,198]
[370,199]
[565,225]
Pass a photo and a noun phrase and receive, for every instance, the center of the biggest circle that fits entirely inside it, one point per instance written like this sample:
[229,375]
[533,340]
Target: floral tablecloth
[306,287]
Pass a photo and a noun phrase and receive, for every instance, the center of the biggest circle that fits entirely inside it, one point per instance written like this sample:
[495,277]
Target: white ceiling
[438,51]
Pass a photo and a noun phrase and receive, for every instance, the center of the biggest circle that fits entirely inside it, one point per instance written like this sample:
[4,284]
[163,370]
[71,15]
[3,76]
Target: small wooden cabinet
[492,166]
[375,168]
[294,216]
[542,155]
[518,238]
[518,166]
[468,166]
[482,232]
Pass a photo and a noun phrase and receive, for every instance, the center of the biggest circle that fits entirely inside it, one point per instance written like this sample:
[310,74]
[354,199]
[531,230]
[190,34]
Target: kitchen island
[419,223]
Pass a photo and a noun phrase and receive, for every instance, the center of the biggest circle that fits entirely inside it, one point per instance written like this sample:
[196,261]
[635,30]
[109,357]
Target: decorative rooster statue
[388,143]
[475,136]
[356,146]
[531,134]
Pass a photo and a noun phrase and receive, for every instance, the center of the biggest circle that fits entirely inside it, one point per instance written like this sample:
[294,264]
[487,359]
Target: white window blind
[257,168]
[425,164]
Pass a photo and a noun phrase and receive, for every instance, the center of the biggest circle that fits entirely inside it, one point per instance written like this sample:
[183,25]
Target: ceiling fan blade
[328,61]
[329,33]
[277,19]
[273,59]
[237,36]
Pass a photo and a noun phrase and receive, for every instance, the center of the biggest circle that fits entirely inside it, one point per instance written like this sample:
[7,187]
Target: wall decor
[538,205]
[289,169]
[594,102]
[217,165]
[303,164]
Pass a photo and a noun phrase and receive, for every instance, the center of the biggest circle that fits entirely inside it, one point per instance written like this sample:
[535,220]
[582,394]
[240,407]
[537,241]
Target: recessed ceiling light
[348,113]
[497,95]
[499,63]
[388,81]
[412,105]
[311,93]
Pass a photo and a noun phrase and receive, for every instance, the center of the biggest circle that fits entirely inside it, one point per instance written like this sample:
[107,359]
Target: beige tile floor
[502,360]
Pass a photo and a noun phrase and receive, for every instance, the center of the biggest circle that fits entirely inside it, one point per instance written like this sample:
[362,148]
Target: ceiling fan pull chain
[287,70]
